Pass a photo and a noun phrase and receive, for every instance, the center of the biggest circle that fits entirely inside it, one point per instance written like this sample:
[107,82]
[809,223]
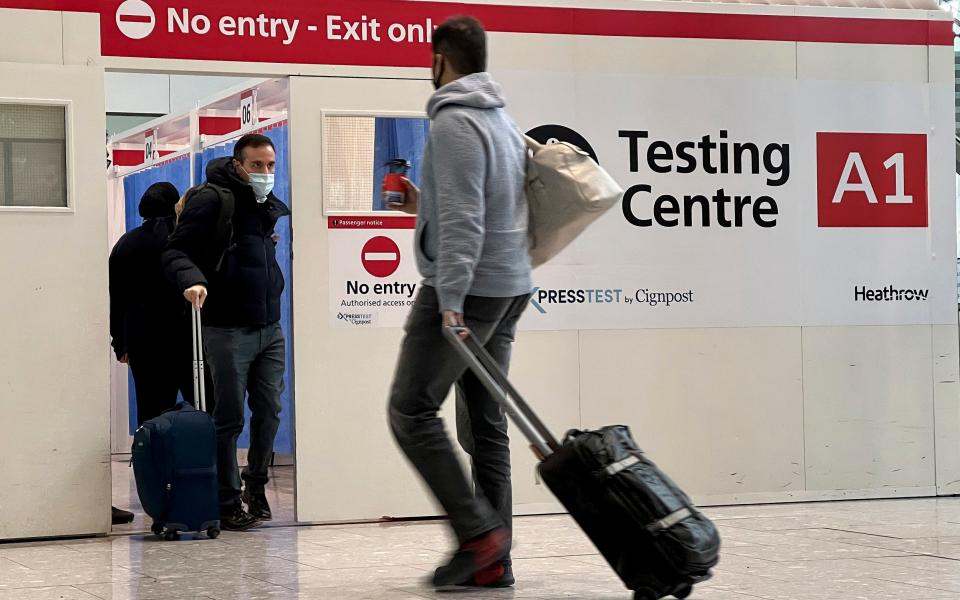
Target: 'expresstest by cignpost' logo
[356,318]
[542,298]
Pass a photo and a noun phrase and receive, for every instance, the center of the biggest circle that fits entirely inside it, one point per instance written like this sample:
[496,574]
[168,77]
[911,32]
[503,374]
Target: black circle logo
[552,134]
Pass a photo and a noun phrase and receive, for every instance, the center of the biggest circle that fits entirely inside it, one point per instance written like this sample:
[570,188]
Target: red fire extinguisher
[394,190]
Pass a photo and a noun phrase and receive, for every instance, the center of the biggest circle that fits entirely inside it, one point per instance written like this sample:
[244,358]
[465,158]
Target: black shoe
[257,505]
[121,517]
[238,520]
[473,557]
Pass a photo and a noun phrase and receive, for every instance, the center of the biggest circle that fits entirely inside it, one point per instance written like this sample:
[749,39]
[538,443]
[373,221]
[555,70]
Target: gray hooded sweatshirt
[472,220]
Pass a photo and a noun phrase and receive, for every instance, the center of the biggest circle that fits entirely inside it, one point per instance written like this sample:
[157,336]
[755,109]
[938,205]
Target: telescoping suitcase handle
[199,389]
[495,380]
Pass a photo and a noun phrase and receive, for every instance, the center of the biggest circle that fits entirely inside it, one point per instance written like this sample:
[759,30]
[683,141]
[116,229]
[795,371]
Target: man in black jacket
[233,274]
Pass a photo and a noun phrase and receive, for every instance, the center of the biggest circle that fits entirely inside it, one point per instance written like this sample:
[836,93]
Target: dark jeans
[245,362]
[157,377]
[427,368]
[162,365]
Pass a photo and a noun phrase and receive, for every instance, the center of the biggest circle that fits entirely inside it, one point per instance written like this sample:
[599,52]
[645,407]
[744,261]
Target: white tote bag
[566,191]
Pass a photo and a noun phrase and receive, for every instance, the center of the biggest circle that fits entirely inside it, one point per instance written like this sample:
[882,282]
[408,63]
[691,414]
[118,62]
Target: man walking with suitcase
[223,248]
[472,252]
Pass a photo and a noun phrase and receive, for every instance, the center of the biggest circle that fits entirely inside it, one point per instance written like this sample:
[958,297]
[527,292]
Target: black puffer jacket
[144,308]
[245,291]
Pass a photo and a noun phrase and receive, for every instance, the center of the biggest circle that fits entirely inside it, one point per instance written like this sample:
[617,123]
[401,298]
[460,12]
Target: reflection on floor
[279,495]
[878,550]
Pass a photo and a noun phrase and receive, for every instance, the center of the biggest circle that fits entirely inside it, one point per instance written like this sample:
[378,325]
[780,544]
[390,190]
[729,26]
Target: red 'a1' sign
[872,180]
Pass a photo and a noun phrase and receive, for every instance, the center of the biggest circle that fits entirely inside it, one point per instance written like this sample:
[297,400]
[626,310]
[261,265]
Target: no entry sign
[398,34]
[135,19]
[381,256]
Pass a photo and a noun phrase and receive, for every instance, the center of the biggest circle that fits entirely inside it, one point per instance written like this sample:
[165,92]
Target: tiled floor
[902,549]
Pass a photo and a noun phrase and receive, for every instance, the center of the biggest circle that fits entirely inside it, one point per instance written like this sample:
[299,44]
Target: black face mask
[438,77]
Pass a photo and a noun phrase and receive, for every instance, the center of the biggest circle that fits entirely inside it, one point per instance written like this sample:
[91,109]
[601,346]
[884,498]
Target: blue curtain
[397,138]
[134,186]
[280,138]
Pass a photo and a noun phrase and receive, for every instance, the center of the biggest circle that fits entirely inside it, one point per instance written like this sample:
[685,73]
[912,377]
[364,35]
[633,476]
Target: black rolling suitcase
[175,462]
[644,525]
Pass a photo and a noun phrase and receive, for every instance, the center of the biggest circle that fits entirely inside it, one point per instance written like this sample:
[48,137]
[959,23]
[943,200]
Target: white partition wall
[777,386]
[54,386]
[347,465]
[838,399]
[782,371]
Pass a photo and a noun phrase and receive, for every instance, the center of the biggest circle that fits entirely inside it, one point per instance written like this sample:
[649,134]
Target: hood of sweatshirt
[475,91]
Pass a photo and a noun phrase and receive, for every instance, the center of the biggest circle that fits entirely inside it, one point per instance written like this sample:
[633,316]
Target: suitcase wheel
[171,535]
[156,528]
[645,594]
[683,592]
[213,532]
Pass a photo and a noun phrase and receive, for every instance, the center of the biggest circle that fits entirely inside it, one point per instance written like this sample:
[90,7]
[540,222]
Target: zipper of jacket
[266,268]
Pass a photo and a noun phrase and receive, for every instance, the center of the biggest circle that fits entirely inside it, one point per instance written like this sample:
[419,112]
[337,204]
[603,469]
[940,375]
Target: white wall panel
[940,61]
[348,465]
[546,371]
[54,382]
[868,407]
[862,62]
[138,93]
[679,57]
[80,47]
[720,409]
[151,93]
[31,36]
[946,398]
[187,90]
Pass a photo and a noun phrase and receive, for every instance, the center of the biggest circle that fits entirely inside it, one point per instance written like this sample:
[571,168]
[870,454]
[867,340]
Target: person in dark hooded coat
[149,320]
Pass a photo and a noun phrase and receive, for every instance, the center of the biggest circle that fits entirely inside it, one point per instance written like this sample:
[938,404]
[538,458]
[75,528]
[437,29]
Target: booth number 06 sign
[248,116]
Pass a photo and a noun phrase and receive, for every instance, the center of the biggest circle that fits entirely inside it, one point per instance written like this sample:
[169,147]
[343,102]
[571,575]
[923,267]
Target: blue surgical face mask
[262,184]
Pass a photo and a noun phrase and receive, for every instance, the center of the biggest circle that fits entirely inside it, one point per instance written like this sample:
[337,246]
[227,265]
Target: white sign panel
[748,203]
[772,203]
[373,273]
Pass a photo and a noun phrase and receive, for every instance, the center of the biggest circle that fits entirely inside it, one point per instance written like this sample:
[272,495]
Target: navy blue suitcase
[175,462]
